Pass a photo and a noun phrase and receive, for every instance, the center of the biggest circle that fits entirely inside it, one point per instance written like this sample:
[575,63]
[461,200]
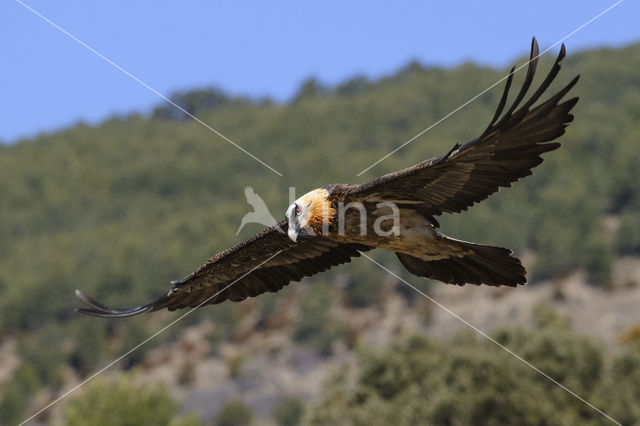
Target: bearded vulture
[326,227]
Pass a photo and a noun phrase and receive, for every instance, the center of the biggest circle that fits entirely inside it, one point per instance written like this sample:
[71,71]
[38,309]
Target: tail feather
[97,309]
[485,265]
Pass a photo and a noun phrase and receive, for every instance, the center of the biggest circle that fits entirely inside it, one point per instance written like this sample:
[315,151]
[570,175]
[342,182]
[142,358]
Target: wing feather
[506,151]
[245,270]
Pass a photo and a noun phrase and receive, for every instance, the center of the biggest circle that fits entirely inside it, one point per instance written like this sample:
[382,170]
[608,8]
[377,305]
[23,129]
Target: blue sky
[48,81]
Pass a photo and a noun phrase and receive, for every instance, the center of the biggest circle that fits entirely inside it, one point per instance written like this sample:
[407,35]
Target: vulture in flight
[330,225]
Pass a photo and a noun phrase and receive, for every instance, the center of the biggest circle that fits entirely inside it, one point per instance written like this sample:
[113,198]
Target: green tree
[121,402]
[289,412]
[234,412]
[16,394]
[315,326]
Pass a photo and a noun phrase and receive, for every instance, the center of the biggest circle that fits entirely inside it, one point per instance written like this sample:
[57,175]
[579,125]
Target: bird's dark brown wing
[265,262]
[505,152]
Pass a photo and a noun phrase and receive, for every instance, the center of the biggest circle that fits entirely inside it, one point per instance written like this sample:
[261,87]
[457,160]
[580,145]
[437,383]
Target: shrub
[315,326]
[120,402]
[289,412]
[234,412]
[16,393]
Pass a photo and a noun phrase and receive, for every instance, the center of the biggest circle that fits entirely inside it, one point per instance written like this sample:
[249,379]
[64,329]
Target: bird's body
[330,225]
[398,225]
[409,232]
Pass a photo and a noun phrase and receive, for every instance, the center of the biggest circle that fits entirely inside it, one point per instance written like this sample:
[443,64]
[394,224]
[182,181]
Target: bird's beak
[293,231]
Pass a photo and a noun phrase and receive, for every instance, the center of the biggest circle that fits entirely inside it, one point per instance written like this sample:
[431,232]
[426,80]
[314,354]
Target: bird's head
[306,215]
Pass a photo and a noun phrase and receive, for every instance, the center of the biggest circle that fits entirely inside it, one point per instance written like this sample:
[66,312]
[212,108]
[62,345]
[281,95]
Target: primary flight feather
[330,225]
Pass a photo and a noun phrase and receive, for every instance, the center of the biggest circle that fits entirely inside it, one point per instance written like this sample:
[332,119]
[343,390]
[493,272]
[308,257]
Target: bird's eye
[298,211]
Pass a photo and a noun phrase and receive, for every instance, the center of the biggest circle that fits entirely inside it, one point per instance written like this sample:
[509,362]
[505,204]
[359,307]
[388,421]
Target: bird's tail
[481,265]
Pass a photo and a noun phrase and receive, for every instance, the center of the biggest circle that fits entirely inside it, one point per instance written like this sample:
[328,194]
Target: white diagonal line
[128,74]
[494,341]
[490,87]
[115,361]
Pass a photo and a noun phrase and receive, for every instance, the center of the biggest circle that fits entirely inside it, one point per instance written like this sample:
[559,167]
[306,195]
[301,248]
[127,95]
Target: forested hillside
[120,209]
